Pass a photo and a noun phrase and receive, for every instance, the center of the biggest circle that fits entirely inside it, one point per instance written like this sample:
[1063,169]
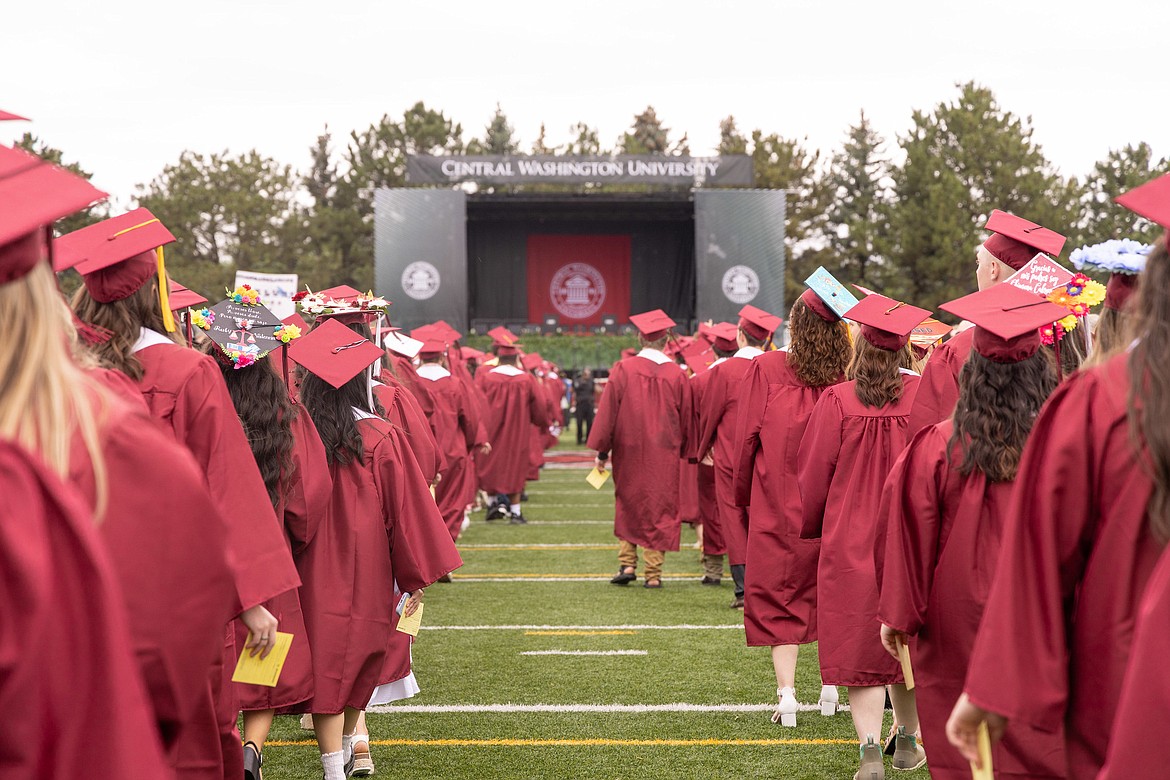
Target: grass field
[543,588]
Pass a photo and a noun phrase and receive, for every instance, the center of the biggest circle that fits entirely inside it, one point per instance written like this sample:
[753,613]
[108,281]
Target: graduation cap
[393,340]
[1151,200]
[334,353]
[448,333]
[505,345]
[724,336]
[532,361]
[246,332]
[653,325]
[826,296]
[504,335]
[886,323]
[33,195]
[470,353]
[1119,289]
[341,292]
[698,357]
[758,323]
[428,333]
[182,298]
[432,348]
[1007,321]
[6,116]
[1015,240]
[343,303]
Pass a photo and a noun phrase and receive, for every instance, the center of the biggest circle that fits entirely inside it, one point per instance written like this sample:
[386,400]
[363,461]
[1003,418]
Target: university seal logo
[741,284]
[420,280]
[577,291]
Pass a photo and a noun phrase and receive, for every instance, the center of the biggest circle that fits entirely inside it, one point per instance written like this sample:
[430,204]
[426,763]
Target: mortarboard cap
[446,332]
[6,116]
[182,298]
[503,335]
[470,353]
[1015,240]
[116,256]
[886,323]
[831,295]
[245,332]
[393,340]
[296,320]
[1007,321]
[532,361]
[428,333]
[653,325]
[1119,289]
[508,345]
[698,357]
[432,347]
[334,353]
[33,195]
[1151,200]
[342,292]
[758,323]
[724,336]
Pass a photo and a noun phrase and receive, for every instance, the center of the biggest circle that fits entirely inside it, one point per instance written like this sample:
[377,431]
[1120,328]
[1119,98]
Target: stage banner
[739,252]
[731,170]
[276,290]
[420,255]
[578,279]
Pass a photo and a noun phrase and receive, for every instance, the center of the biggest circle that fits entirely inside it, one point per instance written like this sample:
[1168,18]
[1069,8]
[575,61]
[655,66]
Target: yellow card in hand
[254,670]
[597,478]
[983,742]
[907,669]
[411,625]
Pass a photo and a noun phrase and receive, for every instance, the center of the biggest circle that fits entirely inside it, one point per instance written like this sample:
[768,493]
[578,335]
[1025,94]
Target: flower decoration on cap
[1119,256]
[322,304]
[240,359]
[1078,296]
[244,295]
[287,332]
[202,318]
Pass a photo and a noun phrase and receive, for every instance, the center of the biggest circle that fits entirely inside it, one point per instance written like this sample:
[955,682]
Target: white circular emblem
[420,280]
[741,284]
[577,291]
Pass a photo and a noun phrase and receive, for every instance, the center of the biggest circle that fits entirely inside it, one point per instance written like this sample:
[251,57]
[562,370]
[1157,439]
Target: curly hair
[818,351]
[123,319]
[1149,383]
[263,406]
[877,375]
[998,403]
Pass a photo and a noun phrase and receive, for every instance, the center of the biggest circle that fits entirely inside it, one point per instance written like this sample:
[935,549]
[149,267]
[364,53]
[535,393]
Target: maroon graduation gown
[402,409]
[1076,555]
[166,544]
[717,420]
[847,451]
[303,504]
[943,532]
[514,405]
[72,696]
[780,581]
[407,376]
[1143,712]
[455,429]
[714,542]
[938,392]
[641,421]
[382,529]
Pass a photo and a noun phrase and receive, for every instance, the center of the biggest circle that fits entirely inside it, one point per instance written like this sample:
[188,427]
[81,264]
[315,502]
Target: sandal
[253,760]
[625,576]
[654,583]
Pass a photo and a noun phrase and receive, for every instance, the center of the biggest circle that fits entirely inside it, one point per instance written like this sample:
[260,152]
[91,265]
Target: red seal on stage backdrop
[577,291]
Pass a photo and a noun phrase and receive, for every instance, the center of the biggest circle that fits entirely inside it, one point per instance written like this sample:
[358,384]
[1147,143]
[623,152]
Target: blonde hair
[45,397]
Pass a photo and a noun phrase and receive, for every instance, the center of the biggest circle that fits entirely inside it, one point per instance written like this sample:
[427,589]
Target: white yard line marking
[585,652]
[633,709]
[621,627]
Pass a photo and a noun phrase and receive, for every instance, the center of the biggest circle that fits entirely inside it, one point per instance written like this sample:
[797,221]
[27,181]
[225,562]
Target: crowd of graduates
[970,528]
[186,481]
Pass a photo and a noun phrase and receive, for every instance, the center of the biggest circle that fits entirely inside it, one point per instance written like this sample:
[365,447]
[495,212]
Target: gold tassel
[164,294]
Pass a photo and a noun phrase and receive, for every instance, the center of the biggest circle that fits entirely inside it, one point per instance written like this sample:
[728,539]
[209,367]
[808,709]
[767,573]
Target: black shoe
[737,603]
[624,577]
[496,511]
[517,520]
[253,760]
[710,581]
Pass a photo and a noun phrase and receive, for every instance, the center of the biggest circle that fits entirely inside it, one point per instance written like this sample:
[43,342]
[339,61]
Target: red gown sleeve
[910,514]
[421,549]
[308,488]
[818,454]
[601,435]
[711,409]
[753,403]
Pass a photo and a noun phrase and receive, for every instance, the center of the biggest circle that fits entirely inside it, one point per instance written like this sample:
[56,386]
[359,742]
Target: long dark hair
[877,373]
[263,406]
[122,319]
[818,351]
[1149,383]
[332,412]
[998,403]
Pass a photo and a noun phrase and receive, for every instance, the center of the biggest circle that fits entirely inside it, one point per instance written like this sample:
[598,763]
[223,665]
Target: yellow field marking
[578,742]
[579,633]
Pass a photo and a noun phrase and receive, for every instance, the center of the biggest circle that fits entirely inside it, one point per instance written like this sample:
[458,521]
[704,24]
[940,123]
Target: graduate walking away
[1080,543]
[640,425]
[855,433]
[943,512]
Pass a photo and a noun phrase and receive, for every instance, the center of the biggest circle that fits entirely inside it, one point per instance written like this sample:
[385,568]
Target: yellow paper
[983,740]
[254,670]
[410,625]
[597,478]
[907,669]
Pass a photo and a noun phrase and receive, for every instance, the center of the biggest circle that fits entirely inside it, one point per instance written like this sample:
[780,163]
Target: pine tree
[1121,170]
[857,217]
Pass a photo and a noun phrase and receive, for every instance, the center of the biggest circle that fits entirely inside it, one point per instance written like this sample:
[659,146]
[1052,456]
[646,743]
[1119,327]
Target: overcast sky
[124,86]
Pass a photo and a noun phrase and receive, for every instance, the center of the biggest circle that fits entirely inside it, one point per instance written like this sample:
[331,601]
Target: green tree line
[905,223]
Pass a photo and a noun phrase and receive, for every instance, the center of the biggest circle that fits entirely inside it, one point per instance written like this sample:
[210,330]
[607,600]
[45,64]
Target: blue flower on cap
[1119,256]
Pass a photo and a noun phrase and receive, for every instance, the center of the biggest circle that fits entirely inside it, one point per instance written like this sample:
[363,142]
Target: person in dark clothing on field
[583,404]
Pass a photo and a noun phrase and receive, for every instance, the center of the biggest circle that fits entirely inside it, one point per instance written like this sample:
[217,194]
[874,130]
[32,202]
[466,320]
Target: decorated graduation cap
[1123,258]
[1007,321]
[758,323]
[244,329]
[886,323]
[826,296]
[334,353]
[1151,200]
[33,195]
[653,325]
[348,306]
[1015,240]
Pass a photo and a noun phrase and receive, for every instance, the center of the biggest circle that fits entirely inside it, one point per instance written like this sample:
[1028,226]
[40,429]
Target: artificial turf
[704,666]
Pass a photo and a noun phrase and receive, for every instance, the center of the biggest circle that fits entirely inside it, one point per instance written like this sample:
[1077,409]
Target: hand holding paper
[597,478]
[254,670]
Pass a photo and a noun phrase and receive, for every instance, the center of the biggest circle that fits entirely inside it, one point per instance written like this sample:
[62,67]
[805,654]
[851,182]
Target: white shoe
[466,523]
[829,700]
[785,713]
[307,722]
